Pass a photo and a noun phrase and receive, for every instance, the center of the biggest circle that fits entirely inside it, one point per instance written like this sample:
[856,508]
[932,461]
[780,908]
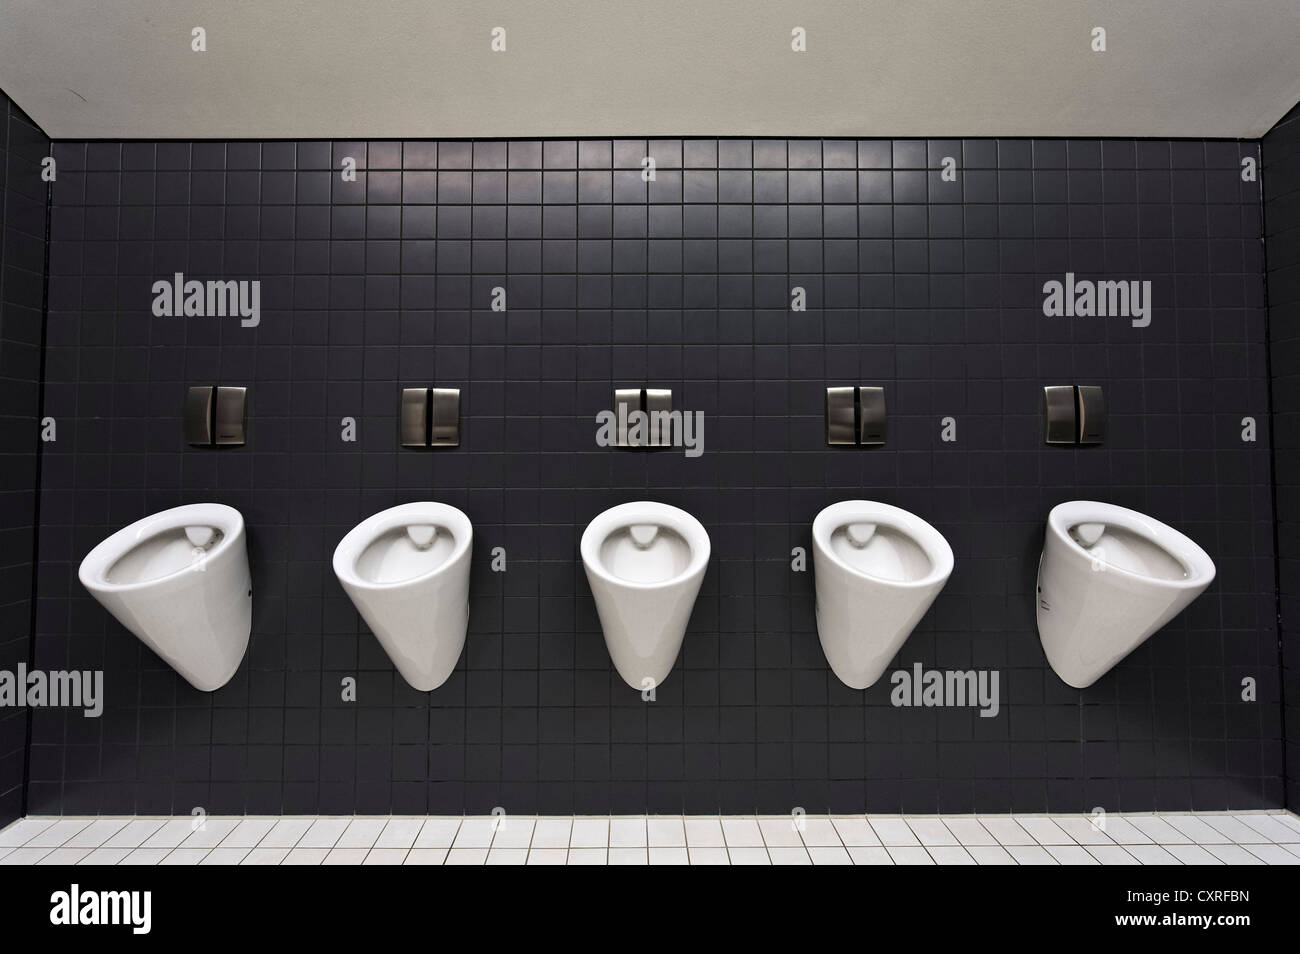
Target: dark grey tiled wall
[930,288]
[22,290]
[1281,159]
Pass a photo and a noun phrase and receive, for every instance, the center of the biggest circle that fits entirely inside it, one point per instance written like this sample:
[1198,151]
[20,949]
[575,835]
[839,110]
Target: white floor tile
[1288,819]
[476,832]
[1082,829]
[855,832]
[65,856]
[361,833]
[1196,830]
[931,830]
[1005,830]
[1043,830]
[171,834]
[742,833]
[548,856]
[780,832]
[867,855]
[185,856]
[1233,855]
[145,856]
[820,832]
[668,855]
[105,856]
[789,856]
[893,832]
[708,856]
[749,856]
[25,856]
[588,856]
[265,856]
[212,832]
[1192,854]
[704,833]
[905,855]
[23,831]
[665,831]
[386,856]
[466,856]
[305,856]
[324,833]
[1111,855]
[1122,831]
[552,833]
[1234,830]
[589,833]
[425,856]
[1030,855]
[225,856]
[628,856]
[829,855]
[1151,855]
[507,856]
[516,831]
[627,832]
[346,856]
[399,833]
[96,833]
[249,833]
[1273,854]
[1270,828]
[990,855]
[437,833]
[55,835]
[1071,855]
[968,831]
[950,855]
[286,833]
[1158,830]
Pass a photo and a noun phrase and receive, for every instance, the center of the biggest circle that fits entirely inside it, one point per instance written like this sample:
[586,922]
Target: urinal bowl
[1108,578]
[876,571]
[645,562]
[406,570]
[179,581]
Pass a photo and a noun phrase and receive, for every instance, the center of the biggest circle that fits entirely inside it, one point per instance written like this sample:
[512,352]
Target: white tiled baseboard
[1268,838]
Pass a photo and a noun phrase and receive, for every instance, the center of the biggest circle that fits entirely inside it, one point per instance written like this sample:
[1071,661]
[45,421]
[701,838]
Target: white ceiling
[423,68]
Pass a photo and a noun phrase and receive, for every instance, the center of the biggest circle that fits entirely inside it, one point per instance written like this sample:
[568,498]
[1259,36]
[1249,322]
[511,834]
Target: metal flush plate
[444,417]
[413,420]
[229,417]
[1092,414]
[626,400]
[198,415]
[841,423]
[1059,413]
[659,402]
[871,416]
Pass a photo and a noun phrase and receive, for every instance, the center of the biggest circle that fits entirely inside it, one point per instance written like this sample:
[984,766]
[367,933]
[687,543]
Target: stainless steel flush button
[444,417]
[198,415]
[1059,413]
[413,419]
[429,417]
[841,423]
[215,416]
[228,417]
[871,416]
[658,403]
[626,400]
[1092,414]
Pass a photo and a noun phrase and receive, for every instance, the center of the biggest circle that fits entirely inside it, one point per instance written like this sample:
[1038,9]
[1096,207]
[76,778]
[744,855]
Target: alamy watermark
[57,689]
[639,428]
[946,688]
[211,299]
[1083,298]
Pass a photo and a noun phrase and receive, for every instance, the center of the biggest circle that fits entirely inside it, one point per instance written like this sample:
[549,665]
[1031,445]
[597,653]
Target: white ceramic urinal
[407,572]
[1109,577]
[179,581]
[878,568]
[645,562]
